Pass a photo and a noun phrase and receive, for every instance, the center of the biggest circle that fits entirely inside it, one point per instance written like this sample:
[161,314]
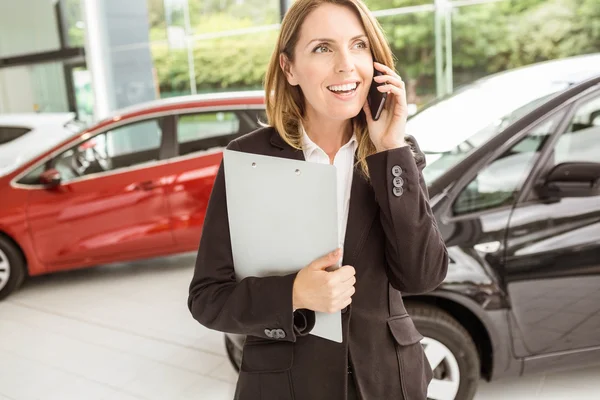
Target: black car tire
[16,269]
[437,324]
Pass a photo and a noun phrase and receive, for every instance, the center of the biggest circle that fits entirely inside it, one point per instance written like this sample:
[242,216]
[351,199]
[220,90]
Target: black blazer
[392,241]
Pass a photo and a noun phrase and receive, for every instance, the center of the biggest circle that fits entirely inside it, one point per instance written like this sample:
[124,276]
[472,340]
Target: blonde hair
[285,103]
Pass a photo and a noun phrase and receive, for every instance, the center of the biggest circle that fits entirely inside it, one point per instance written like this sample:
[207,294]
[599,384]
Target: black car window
[440,162]
[10,133]
[122,147]
[581,141]
[498,183]
[33,177]
[206,131]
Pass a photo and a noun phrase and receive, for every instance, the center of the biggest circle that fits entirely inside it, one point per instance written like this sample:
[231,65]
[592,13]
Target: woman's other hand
[389,130]
[319,290]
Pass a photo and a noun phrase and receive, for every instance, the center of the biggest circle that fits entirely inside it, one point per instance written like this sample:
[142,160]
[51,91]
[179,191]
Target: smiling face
[332,63]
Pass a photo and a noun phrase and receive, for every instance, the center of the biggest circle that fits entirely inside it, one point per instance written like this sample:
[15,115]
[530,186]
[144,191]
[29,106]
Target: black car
[514,179]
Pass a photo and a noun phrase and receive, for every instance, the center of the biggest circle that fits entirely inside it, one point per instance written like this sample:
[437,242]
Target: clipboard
[282,216]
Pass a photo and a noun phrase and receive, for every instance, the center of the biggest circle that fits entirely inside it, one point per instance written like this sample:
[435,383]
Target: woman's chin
[345,113]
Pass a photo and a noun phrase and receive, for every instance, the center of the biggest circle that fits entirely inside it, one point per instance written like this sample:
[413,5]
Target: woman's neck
[329,135]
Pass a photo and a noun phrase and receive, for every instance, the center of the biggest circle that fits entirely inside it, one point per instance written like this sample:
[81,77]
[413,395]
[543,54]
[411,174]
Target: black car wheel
[450,351]
[12,268]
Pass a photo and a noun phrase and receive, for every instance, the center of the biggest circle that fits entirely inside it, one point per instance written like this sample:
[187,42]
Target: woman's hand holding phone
[389,130]
[319,290]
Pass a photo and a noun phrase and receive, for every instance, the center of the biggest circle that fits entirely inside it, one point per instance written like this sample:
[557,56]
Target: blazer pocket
[415,371]
[267,356]
[404,330]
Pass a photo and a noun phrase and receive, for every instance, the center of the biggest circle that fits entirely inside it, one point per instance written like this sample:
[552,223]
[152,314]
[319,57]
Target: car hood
[442,126]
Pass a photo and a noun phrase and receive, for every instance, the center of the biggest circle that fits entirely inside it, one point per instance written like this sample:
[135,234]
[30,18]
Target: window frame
[546,160]
[51,163]
[474,169]
[244,118]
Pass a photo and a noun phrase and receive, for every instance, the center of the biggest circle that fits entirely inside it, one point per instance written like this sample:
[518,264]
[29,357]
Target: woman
[317,85]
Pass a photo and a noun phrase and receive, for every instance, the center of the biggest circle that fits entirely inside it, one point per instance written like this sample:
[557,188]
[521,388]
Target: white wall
[27,26]
[49,87]
[16,90]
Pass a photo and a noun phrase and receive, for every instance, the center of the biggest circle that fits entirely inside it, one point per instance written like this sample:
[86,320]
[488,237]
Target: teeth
[343,88]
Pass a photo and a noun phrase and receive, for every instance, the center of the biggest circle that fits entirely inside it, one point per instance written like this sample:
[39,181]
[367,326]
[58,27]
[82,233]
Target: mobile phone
[376,99]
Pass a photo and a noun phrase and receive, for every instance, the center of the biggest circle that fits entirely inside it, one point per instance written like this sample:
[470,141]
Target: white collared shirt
[344,162]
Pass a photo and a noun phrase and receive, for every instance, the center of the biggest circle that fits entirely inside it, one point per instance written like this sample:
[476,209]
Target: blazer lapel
[284,150]
[362,212]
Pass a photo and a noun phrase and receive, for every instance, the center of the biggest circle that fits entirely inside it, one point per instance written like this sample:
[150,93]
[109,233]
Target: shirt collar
[308,146]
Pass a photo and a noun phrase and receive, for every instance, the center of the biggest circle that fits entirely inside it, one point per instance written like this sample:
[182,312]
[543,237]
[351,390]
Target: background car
[23,136]
[135,185]
[514,178]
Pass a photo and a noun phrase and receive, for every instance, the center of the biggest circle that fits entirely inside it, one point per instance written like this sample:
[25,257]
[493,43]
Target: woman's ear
[286,67]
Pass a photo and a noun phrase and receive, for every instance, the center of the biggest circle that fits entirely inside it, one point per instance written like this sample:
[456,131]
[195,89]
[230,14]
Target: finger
[344,273]
[346,303]
[385,69]
[399,93]
[393,80]
[348,293]
[327,260]
[343,297]
[350,282]
[391,88]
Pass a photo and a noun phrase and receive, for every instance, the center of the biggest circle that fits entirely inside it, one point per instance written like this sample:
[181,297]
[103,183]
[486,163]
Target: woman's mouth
[344,90]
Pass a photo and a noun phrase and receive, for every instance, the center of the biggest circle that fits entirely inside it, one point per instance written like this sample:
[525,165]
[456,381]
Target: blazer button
[279,334]
[269,333]
[398,182]
[398,191]
[396,170]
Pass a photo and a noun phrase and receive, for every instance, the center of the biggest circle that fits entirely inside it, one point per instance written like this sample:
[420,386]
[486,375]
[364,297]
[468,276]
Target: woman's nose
[344,62]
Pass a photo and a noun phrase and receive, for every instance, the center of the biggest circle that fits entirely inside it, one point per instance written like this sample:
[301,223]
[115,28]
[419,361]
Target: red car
[135,185]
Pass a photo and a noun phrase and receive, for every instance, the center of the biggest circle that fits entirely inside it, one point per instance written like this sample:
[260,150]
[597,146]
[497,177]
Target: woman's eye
[361,45]
[321,49]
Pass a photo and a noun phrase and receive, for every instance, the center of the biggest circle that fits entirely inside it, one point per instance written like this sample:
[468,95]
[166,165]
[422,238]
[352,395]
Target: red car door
[111,203]
[201,138]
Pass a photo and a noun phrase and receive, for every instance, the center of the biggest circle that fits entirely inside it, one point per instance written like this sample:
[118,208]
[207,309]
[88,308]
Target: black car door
[473,216]
[552,265]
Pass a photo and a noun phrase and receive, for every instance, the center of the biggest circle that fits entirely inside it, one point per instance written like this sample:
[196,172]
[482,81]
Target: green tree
[486,38]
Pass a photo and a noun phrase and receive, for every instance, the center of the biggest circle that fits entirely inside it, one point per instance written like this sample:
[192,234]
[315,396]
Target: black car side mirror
[577,179]
[50,178]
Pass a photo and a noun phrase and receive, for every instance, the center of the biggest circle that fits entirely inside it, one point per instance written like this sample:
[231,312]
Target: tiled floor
[123,332]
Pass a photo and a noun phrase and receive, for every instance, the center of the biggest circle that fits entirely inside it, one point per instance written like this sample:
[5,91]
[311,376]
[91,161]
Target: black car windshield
[450,129]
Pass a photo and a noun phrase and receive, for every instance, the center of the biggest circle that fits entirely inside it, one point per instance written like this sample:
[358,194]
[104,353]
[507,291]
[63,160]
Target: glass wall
[201,46]
[39,87]
[223,45]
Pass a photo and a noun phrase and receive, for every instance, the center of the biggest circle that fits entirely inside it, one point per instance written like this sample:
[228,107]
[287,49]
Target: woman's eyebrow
[326,40]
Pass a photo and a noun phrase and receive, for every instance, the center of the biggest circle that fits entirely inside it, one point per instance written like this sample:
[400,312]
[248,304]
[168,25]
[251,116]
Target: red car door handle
[146,185]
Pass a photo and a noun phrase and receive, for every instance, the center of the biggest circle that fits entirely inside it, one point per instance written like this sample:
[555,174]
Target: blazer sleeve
[254,306]
[417,259]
